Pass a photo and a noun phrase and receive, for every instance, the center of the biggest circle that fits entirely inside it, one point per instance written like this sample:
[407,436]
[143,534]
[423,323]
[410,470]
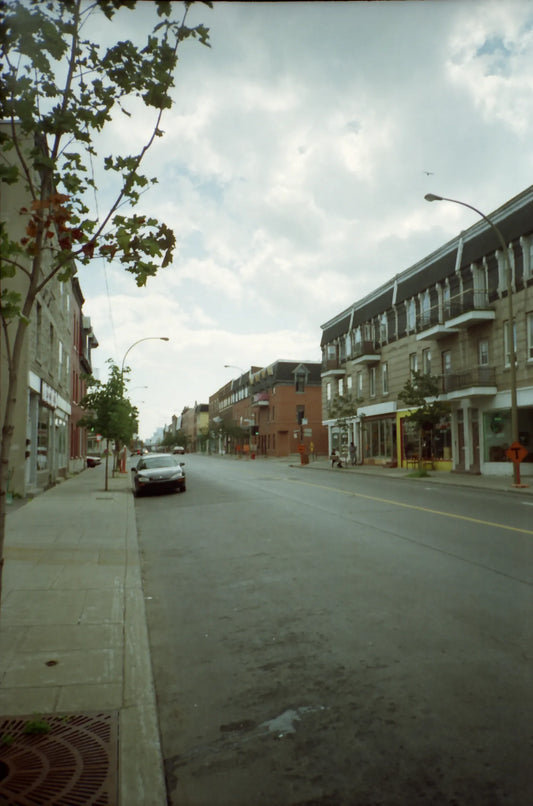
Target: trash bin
[304,459]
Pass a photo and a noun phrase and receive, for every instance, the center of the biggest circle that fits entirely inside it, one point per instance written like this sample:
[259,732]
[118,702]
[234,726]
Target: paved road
[320,639]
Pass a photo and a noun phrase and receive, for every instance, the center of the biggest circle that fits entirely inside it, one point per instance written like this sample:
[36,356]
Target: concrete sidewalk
[73,635]
[503,483]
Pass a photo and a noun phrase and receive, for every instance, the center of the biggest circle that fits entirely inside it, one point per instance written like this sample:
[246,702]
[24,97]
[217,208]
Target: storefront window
[498,436]
[43,438]
[378,439]
[436,442]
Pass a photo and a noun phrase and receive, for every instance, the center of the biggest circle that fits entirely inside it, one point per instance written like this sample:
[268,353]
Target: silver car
[158,471]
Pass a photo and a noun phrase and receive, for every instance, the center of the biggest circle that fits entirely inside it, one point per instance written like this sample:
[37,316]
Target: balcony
[472,382]
[333,368]
[430,325]
[471,308]
[261,399]
[458,313]
[365,352]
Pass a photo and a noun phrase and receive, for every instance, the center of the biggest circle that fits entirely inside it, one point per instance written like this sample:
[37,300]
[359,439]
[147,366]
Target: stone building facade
[446,316]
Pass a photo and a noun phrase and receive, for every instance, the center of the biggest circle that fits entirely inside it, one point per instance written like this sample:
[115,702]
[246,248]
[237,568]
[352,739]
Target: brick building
[269,411]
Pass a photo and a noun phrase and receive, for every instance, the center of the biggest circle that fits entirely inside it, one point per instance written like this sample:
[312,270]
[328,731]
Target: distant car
[93,461]
[158,471]
[178,449]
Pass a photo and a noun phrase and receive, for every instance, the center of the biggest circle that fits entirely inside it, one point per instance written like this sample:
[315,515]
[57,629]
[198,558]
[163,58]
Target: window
[300,382]
[372,381]
[341,386]
[367,329]
[360,385]
[411,315]
[300,414]
[426,361]
[39,325]
[483,353]
[426,309]
[385,378]
[506,345]
[446,362]
[446,301]
[349,383]
[413,364]
[328,391]
[530,336]
[384,329]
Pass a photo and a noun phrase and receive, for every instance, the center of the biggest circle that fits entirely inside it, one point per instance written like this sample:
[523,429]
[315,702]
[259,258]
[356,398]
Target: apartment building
[270,411]
[194,423]
[82,343]
[446,316]
[40,450]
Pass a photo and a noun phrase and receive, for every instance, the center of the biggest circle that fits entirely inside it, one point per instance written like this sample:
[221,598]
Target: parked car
[158,471]
[93,461]
[178,449]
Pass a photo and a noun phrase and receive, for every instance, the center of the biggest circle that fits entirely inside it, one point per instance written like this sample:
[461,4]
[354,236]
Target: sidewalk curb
[142,778]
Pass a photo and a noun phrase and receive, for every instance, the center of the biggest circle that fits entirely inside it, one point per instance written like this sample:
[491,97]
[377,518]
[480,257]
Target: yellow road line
[414,506]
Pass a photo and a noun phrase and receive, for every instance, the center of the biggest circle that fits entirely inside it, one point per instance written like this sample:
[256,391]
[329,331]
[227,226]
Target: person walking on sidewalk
[353,454]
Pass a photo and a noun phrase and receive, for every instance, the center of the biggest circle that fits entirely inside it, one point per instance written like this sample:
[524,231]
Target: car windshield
[159,461]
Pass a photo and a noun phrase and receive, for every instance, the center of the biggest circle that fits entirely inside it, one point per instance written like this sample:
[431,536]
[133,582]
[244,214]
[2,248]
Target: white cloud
[292,171]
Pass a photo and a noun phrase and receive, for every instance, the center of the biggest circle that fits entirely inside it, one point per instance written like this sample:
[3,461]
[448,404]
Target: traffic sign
[516,453]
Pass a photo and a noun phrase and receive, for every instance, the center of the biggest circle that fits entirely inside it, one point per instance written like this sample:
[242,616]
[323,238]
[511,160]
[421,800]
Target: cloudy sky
[293,172]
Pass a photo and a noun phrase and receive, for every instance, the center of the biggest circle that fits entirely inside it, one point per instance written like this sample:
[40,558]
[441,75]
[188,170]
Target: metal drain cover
[73,764]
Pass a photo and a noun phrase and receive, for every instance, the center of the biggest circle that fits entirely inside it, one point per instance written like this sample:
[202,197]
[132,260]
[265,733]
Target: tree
[109,413]
[342,409]
[172,438]
[59,91]
[420,393]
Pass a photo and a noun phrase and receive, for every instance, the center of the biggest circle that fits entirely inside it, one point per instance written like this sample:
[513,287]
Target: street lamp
[146,338]
[430,197]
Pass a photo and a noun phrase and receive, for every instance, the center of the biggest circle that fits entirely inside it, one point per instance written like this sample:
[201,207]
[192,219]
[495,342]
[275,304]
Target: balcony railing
[459,304]
[475,377]
[365,348]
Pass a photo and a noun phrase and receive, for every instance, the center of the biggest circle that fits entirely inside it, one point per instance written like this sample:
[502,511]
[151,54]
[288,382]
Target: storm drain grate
[73,764]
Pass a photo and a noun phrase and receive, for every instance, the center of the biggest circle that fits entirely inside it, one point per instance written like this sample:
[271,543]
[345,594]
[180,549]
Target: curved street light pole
[430,197]
[146,338]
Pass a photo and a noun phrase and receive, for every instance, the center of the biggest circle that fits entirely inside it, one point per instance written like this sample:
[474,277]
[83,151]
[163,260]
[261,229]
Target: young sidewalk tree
[421,394]
[109,413]
[59,92]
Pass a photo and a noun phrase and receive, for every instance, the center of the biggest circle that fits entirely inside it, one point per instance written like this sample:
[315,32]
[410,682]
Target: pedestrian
[312,450]
[353,454]
[335,460]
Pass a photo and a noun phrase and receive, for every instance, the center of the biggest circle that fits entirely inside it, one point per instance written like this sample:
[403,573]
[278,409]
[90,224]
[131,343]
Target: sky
[293,171]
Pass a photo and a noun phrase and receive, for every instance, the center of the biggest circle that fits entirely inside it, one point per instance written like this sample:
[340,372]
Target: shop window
[43,438]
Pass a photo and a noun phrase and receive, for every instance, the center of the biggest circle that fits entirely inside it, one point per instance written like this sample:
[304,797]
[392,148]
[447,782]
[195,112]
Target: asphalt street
[330,639]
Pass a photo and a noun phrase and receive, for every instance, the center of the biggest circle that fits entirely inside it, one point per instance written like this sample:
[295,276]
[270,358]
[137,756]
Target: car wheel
[183,487]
